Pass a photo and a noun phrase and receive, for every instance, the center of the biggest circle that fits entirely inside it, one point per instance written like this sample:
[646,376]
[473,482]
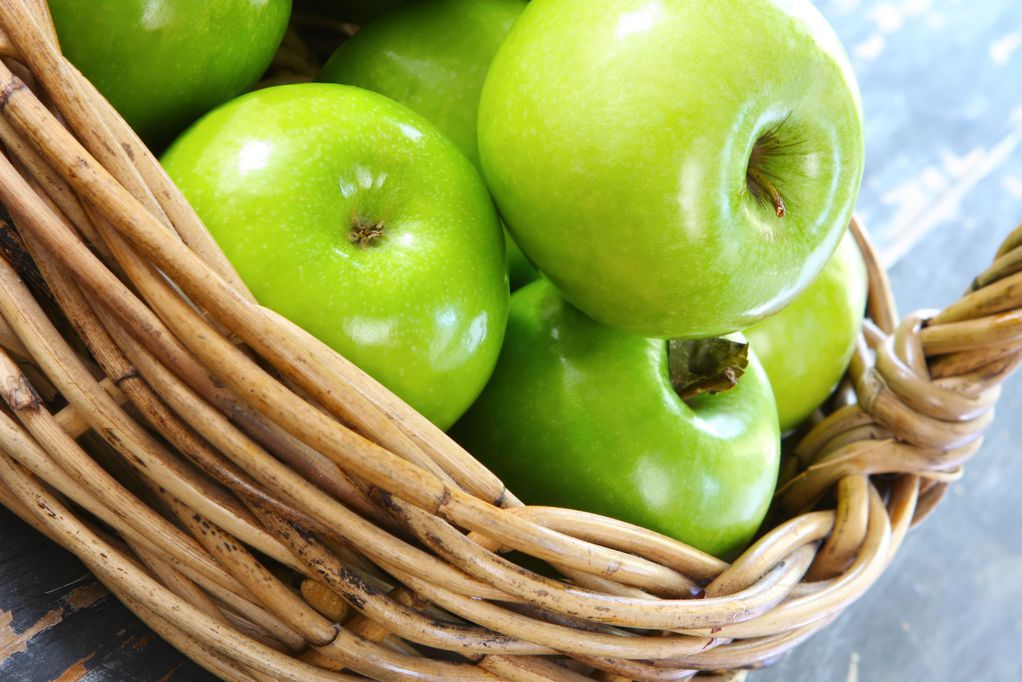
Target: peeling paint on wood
[58,623]
[13,642]
[75,672]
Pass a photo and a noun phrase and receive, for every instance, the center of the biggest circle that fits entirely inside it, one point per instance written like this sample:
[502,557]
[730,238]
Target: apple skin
[422,308]
[432,56]
[583,416]
[163,64]
[616,137]
[805,349]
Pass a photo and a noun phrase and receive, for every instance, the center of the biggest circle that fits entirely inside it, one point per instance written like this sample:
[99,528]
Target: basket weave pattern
[274,513]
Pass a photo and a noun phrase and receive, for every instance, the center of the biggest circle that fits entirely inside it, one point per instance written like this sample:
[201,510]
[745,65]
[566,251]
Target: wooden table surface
[942,92]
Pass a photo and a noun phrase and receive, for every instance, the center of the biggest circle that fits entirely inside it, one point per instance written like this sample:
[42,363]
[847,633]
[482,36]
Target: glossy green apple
[355,218]
[641,153]
[584,416]
[432,56]
[164,63]
[805,348]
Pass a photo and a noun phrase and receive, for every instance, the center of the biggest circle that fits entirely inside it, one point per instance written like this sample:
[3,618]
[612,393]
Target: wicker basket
[275,514]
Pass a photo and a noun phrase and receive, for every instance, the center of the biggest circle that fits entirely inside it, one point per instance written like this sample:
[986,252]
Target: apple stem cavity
[761,185]
[364,233]
[758,177]
[705,365]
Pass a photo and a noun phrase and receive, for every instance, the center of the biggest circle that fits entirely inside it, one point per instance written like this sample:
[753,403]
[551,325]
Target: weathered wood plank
[941,86]
[58,623]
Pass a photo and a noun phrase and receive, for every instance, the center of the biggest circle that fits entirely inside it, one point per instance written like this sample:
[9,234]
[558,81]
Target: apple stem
[705,365]
[365,232]
[759,182]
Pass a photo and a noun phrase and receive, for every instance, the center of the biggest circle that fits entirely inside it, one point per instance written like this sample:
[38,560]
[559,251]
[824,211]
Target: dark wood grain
[58,623]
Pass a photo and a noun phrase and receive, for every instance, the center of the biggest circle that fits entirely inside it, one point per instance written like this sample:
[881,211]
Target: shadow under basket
[276,514]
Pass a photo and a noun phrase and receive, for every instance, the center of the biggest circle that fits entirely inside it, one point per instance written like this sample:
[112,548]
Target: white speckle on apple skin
[411,132]
[636,22]
[155,15]
[253,156]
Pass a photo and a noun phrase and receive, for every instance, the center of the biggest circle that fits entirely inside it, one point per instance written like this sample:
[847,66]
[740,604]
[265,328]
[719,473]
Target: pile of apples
[675,173]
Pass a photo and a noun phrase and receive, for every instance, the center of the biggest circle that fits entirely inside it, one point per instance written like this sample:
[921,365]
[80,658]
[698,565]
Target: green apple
[806,347]
[432,56]
[164,63]
[356,219]
[584,416]
[677,169]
